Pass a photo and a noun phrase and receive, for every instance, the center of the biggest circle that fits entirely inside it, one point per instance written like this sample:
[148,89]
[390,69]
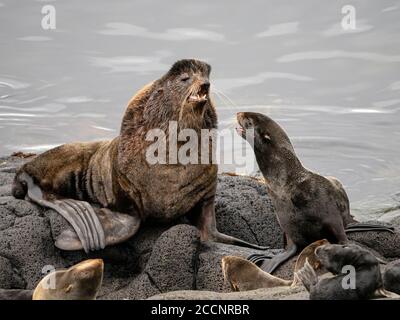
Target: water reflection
[336,92]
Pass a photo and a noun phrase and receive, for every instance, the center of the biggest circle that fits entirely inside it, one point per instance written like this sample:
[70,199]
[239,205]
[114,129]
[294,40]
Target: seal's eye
[185,77]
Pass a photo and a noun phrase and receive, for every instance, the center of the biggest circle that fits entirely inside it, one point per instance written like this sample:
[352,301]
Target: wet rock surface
[158,259]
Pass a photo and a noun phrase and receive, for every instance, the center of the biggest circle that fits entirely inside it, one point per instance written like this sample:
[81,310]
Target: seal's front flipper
[360,227]
[270,265]
[207,225]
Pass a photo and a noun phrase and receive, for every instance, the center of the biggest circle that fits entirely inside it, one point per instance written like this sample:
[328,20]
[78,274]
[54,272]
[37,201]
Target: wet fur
[333,258]
[115,174]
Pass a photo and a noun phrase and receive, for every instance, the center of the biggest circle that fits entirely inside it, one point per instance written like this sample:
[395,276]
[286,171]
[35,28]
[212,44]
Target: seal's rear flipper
[270,265]
[91,230]
[224,238]
[257,258]
[360,227]
[307,276]
[383,293]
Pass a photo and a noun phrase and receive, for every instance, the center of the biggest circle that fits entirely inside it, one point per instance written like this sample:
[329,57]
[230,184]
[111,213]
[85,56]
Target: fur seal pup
[116,176]
[243,275]
[368,281]
[391,277]
[309,206]
[82,281]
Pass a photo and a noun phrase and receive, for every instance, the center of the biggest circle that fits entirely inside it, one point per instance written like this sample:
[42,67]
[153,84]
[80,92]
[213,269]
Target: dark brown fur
[309,207]
[334,257]
[116,175]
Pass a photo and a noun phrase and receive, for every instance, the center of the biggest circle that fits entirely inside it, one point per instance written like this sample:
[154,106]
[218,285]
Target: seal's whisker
[229,99]
[220,98]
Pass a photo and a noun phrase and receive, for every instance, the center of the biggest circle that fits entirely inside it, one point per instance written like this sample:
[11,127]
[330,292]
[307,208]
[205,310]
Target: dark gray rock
[9,275]
[139,288]
[281,293]
[158,258]
[5,190]
[173,261]
[245,211]
[384,242]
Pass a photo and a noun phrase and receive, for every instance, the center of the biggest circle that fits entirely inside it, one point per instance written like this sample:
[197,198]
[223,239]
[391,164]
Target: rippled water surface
[336,92]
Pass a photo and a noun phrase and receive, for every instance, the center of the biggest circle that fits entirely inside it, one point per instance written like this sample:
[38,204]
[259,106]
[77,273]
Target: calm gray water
[336,92]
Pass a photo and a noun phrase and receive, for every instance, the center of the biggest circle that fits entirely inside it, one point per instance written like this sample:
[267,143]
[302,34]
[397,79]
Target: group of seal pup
[107,189]
[328,260]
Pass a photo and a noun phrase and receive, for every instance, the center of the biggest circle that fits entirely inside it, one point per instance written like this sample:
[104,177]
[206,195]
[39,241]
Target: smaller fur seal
[82,281]
[368,281]
[243,275]
[309,206]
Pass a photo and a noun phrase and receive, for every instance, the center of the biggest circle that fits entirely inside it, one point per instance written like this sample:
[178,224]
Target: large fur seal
[82,281]
[367,276]
[309,206]
[243,275]
[116,176]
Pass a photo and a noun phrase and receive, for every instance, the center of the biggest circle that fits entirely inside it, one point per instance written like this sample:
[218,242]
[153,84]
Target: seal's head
[334,256]
[183,95]
[80,282]
[271,145]
[268,135]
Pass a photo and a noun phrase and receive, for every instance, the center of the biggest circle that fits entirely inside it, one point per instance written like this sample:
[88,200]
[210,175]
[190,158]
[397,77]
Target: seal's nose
[205,86]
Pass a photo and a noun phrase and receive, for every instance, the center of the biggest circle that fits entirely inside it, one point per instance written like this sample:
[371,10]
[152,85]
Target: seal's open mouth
[240,129]
[201,95]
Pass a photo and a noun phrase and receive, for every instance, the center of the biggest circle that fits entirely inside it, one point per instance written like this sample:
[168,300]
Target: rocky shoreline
[160,262]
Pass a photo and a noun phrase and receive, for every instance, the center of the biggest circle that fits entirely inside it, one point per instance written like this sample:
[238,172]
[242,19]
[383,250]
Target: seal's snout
[239,127]
[201,96]
[204,87]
